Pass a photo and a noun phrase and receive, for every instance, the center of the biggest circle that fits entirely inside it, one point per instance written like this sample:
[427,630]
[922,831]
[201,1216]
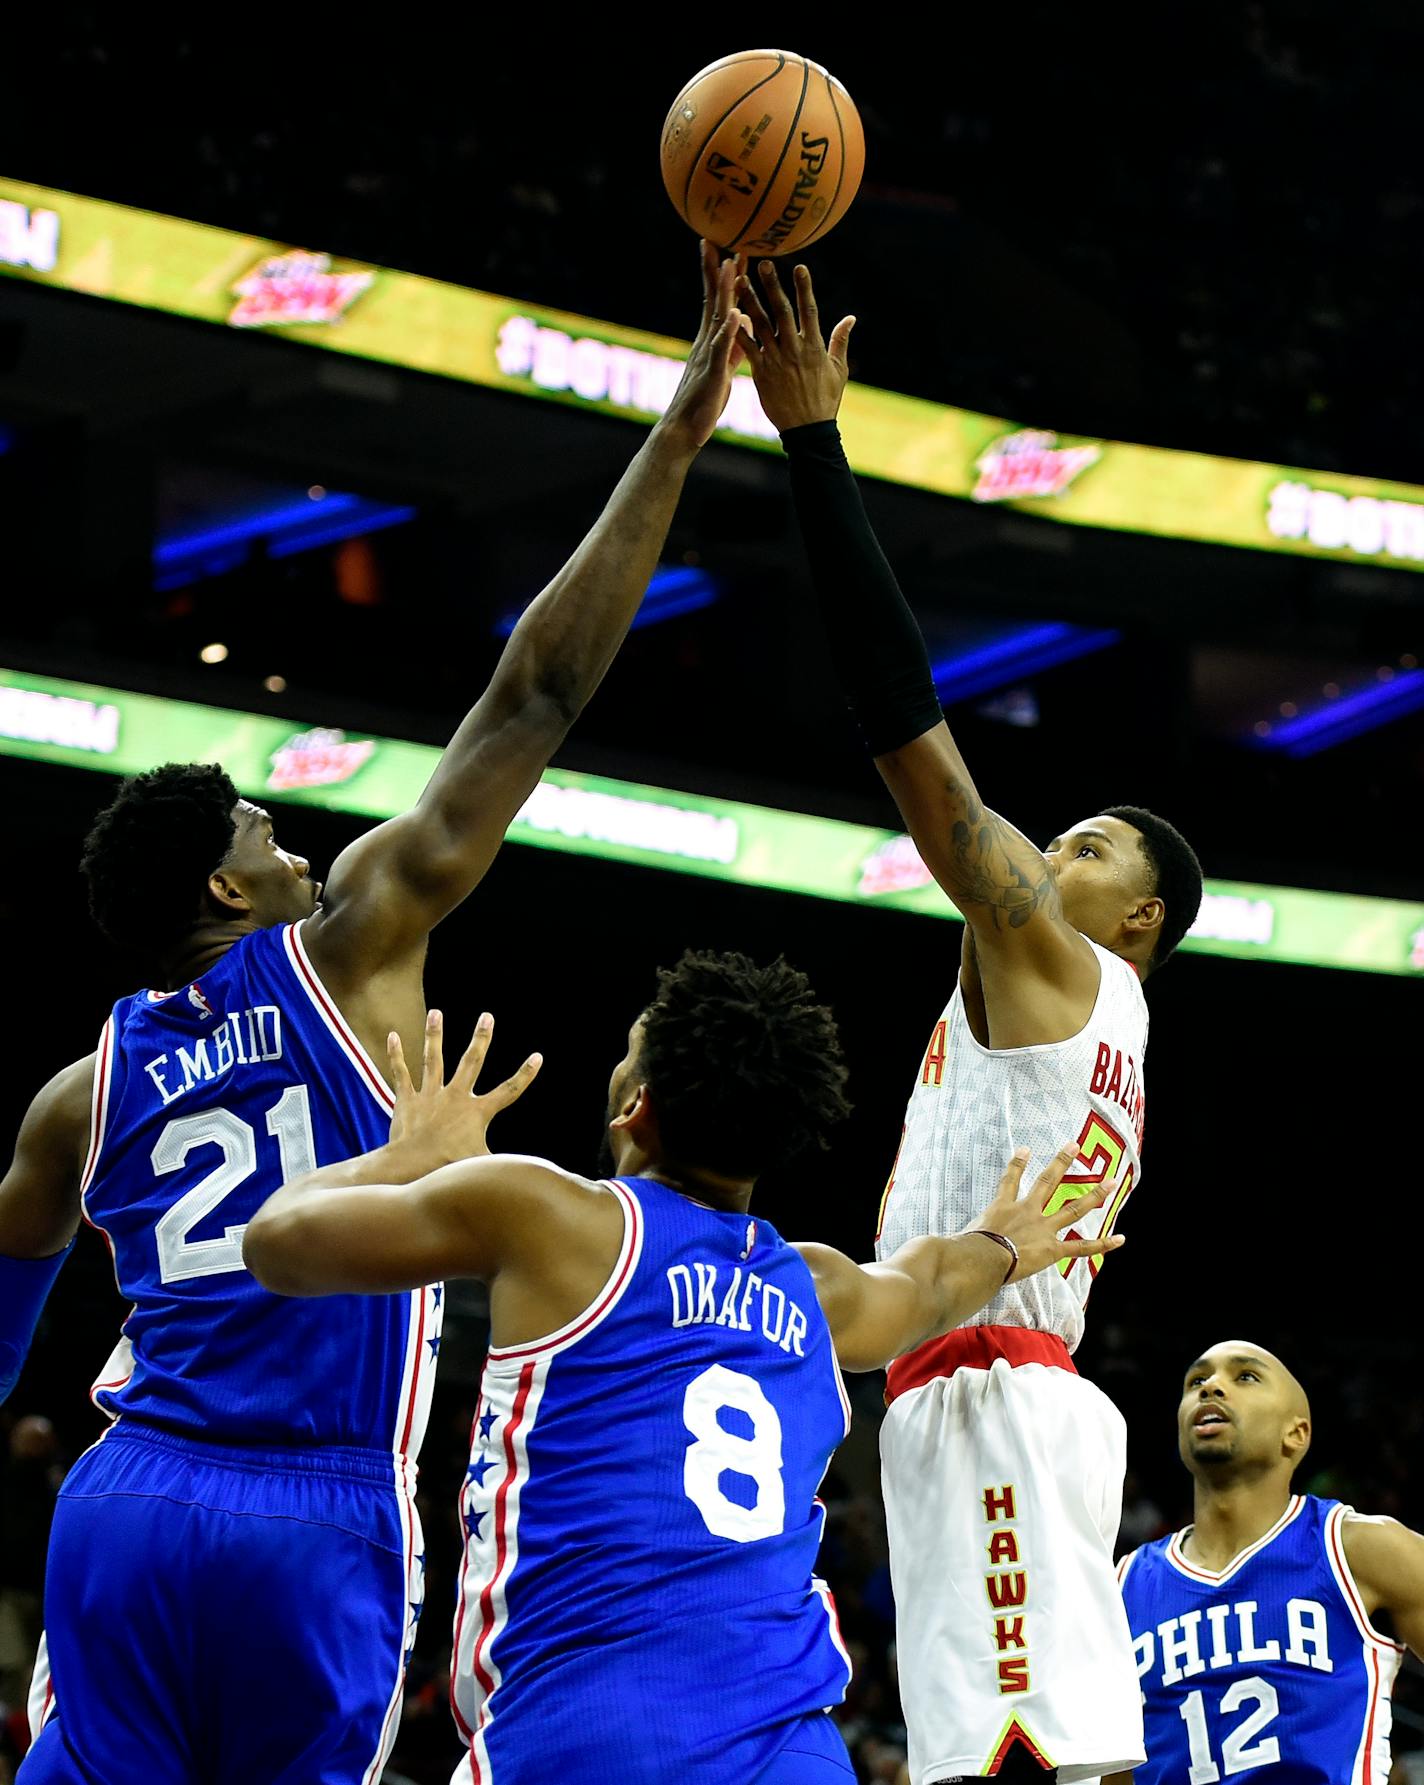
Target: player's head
[1130,881]
[176,849]
[731,1070]
[1242,1416]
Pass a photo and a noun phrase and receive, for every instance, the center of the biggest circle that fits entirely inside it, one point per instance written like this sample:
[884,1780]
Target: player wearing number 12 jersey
[661,1399]
[1256,1629]
[236,1567]
[1002,1467]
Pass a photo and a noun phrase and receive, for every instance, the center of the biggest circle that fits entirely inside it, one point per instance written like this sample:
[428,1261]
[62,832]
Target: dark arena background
[1202,235]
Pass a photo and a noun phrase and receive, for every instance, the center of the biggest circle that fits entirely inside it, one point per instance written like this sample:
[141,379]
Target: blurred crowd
[1208,246]
[1369,1423]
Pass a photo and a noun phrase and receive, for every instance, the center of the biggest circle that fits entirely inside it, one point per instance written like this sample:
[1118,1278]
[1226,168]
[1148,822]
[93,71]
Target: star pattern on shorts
[478,1469]
[475,1520]
[434,1343]
[487,1423]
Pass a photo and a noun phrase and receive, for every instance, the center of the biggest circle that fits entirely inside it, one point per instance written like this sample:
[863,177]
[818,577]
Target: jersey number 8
[716,1451]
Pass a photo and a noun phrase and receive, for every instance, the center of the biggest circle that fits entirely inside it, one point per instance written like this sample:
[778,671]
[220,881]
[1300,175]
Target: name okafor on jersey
[973,1105]
[1270,1667]
[638,1598]
[206,1100]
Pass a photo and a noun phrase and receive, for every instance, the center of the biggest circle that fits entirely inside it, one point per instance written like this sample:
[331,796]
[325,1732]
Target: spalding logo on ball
[763,152]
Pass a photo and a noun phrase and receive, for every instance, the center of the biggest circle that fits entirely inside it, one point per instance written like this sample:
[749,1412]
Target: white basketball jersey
[973,1105]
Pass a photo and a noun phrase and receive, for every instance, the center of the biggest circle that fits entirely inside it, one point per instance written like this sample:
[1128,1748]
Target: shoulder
[63,1105]
[1377,1548]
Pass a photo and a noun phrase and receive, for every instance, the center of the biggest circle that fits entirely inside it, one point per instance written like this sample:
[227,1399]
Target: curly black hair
[150,851]
[1176,874]
[744,1067]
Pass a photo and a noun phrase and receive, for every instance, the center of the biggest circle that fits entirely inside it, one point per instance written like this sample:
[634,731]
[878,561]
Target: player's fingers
[726,290]
[1051,1176]
[839,348]
[400,1072]
[777,303]
[1080,1206]
[807,314]
[711,267]
[432,1063]
[473,1057]
[749,301]
[1011,1176]
[514,1086]
[1091,1248]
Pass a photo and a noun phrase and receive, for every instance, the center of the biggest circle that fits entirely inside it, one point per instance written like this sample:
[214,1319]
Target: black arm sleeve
[878,651]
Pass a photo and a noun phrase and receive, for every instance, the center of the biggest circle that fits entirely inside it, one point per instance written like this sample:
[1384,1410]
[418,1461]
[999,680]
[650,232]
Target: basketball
[763,152]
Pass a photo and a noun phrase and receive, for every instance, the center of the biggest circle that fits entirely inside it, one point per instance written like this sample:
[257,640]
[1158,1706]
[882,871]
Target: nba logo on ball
[763,152]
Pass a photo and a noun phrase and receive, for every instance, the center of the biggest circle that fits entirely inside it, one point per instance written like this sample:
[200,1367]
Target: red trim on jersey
[1016,1736]
[975,1348]
[414,1376]
[501,1548]
[322,999]
[460,1722]
[567,1335]
[1345,1580]
[100,1106]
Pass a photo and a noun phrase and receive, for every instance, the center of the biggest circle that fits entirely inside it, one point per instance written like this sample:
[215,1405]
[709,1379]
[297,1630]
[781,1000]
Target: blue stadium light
[1334,721]
[285,528]
[1022,652]
[675,589]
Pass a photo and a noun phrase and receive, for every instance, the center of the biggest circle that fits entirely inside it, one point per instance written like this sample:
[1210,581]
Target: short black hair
[744,1066]
[1176,874]
[149,853]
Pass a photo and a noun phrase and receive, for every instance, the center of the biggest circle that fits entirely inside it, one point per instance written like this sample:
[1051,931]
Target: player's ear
[227,894]
[1295,1440]
[1146,917]
[636,1116]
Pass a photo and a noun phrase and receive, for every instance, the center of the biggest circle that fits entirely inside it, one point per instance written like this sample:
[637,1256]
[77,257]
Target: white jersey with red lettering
[972,1105]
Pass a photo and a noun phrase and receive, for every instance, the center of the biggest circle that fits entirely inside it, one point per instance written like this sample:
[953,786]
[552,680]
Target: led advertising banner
[245,282]
[655,827]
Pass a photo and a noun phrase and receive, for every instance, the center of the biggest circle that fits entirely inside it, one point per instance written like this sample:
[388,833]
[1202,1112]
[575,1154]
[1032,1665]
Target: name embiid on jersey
[206,1100]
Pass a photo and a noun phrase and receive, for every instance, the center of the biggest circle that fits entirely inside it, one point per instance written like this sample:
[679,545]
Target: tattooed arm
[1028,976]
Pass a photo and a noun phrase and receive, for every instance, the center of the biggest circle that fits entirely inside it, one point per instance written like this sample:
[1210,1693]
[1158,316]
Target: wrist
[1008,1252]
[674,445]
[814,439]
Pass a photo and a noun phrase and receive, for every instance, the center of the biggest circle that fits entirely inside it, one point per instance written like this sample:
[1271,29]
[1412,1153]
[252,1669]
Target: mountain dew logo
[319,758]
[1029,463]
[295,287]
[894,867]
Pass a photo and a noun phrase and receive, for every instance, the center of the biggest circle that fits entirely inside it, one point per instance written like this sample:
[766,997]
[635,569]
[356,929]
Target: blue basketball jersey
[638,1596]
[1270,1667]
[206,1100]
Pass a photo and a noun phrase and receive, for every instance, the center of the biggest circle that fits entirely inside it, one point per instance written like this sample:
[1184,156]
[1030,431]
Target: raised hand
[799,377]
[1036,1235]
[718,350]
[448,1121]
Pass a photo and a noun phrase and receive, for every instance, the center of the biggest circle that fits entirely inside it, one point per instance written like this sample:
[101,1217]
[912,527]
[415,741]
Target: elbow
[271,1252]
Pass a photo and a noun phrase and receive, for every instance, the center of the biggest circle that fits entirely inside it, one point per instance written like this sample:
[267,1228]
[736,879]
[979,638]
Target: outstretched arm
[389,889]
[432,1203]
[1387,1561]
[991,871]
[877,1312]
[39,1209]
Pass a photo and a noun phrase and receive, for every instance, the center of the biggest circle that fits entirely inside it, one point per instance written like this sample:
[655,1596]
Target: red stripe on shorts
[974,1348]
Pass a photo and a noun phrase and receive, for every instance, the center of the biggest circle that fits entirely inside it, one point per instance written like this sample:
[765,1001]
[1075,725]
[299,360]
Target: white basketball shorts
[1003,1491]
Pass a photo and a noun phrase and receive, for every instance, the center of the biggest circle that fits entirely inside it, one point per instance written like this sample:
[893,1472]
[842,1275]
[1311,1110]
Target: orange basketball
[763,152]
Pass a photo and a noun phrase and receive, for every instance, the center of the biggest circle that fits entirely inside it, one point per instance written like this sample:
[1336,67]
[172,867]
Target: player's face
[622,1085]
[1101,875]
[1237,1405]
[277,884]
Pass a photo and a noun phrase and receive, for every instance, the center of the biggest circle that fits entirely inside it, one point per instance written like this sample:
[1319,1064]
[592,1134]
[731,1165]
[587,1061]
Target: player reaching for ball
[1255,1629]
[662,1396]
[1002,1467]
[236,1568]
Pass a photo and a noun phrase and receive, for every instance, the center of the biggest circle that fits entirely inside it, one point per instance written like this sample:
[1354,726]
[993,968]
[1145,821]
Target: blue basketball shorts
[220,1616]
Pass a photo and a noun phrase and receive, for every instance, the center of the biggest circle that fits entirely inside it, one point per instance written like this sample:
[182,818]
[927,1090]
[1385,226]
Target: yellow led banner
[246,282]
